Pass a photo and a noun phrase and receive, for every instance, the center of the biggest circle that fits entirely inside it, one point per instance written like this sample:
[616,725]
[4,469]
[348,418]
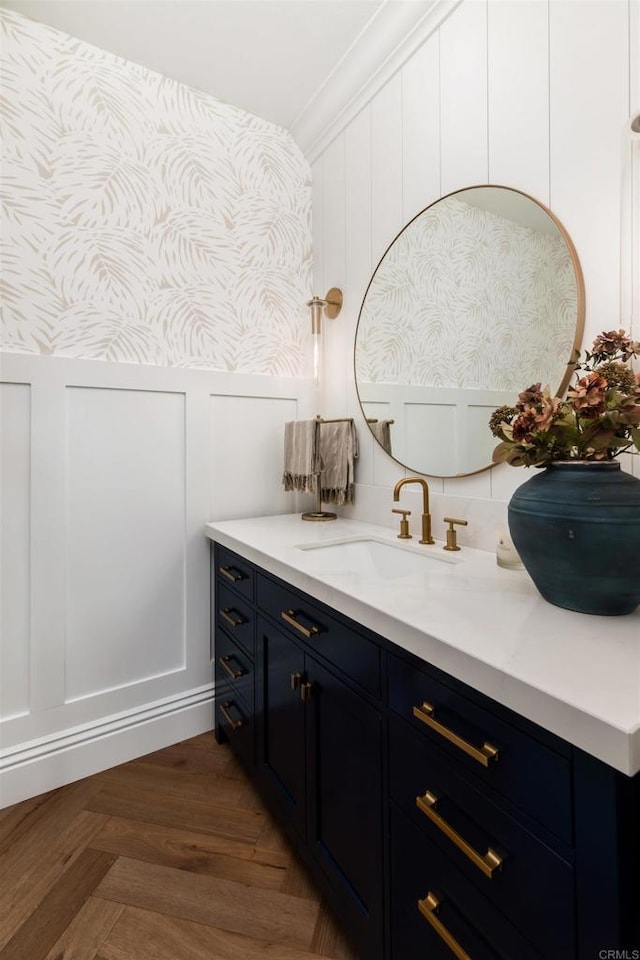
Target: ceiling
[270,57]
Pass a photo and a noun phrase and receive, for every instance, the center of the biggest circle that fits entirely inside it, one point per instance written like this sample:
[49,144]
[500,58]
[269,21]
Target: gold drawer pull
[226,666]
[231,573]
[289,617]
[484,755]
[224,710]
[427,908]
[227,614]
[487,863]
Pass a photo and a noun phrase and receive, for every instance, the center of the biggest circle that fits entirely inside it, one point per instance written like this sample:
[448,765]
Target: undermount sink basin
[377,559]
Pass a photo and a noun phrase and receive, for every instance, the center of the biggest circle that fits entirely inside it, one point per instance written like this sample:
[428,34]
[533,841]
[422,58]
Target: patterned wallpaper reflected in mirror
[479,294]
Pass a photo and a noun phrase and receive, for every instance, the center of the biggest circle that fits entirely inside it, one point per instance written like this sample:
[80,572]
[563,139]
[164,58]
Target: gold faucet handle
[404,524]
[452,543]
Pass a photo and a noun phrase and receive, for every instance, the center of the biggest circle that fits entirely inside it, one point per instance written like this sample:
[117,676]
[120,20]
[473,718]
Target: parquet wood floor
[169,857]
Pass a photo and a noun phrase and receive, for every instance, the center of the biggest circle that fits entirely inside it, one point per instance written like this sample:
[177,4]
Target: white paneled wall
[518,110]
[246,455]
[531,94]
[109,472]
[125,571]
[15,487]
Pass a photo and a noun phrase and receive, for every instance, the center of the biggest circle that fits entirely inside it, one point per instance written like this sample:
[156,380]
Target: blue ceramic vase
[576,526]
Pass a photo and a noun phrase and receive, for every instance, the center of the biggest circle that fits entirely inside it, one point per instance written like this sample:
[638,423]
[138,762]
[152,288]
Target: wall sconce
[331,307]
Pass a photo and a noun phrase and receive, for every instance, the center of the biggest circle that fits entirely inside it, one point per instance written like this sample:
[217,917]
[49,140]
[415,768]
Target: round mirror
[479,296]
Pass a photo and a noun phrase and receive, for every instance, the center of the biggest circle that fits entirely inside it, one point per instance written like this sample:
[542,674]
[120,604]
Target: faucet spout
[426,516]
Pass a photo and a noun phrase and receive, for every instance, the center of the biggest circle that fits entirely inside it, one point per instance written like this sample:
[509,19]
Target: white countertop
[574,674]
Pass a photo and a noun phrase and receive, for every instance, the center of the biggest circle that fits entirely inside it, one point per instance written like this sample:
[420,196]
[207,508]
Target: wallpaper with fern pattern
[144,221]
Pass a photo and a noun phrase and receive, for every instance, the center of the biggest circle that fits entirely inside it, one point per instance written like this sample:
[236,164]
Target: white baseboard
[49,762]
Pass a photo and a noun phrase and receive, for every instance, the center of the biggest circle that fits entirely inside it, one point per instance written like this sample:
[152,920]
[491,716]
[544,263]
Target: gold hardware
[404,525]
[427,908]
[452,543]
[295,680]
[227,614]
[225,664]
[306,692]
[224,710]
[487,863]
[426,516]
[330,306]
[228,572]
[289,617]
[334,420]
[484,755]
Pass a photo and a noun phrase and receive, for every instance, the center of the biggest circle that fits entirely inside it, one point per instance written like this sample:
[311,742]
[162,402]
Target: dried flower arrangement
[598,419]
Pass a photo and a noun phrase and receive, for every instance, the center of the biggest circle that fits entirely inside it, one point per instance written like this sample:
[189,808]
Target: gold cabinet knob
[452,543]
[404,524]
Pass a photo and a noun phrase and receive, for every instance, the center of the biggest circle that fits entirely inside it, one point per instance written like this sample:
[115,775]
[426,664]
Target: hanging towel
[381,429]
[338,450]
[301,455]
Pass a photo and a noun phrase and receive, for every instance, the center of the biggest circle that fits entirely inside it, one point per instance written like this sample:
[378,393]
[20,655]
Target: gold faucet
[426,516]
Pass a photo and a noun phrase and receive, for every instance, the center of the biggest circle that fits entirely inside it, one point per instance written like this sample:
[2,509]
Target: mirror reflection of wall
[480,295]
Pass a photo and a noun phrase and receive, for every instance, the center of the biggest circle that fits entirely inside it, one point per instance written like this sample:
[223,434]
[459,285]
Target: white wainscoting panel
[15,570]
[110,471]
[246,451]
[479,443]
[437,421]
[125,570]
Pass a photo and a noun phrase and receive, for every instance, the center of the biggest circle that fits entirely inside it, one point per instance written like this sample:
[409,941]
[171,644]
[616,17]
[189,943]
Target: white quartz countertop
[574,674]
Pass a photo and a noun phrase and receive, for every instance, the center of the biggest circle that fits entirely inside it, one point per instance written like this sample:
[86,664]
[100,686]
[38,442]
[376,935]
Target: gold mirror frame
[579,326]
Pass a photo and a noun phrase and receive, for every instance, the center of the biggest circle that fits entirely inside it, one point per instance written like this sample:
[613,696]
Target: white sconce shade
[316,305]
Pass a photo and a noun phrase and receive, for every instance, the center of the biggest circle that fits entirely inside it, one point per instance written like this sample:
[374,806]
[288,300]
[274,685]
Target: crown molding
[388,40]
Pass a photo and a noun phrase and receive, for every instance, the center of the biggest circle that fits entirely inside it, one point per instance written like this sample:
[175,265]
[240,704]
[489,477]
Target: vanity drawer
[352,653]
[235,719]
[234,616]
[502,756]
[234,670]
[523,877]
[234,571]
[422,876]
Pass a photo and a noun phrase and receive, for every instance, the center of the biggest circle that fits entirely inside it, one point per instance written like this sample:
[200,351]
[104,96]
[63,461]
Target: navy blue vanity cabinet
[437,912]
[607,844]
[502,831]
[233,625]
[281,718]
[320,761]
[436,822]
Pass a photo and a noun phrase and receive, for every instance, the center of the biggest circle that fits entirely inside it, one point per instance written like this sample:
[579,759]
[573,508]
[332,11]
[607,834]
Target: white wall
[532,95]
[152,235]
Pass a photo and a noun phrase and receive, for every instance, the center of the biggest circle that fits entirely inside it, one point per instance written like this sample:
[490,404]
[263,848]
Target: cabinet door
[345,803]
[280,718]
